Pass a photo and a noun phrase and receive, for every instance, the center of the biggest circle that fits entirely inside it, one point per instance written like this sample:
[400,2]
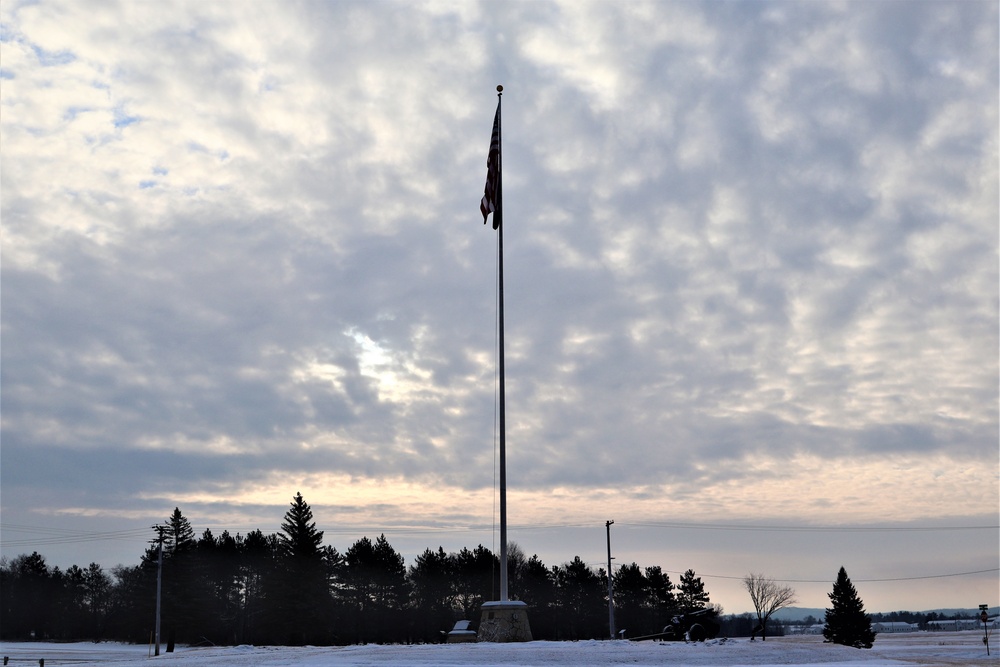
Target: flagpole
[498,222]
[503,620]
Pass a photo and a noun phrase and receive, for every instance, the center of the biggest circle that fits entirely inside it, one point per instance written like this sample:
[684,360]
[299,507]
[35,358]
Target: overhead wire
[806,528]
[868,581]
[45,536]
[51,535]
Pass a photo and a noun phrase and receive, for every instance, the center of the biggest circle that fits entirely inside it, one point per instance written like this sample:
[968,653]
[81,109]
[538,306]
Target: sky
[750,282]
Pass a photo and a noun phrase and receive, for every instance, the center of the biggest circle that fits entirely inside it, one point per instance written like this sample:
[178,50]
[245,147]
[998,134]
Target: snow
[936,648]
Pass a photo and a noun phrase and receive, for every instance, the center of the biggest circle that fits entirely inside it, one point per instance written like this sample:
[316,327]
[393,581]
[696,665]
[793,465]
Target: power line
[808,529]
[868,581]
[51,536]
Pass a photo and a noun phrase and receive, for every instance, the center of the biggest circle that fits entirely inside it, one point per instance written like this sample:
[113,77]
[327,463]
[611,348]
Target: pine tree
[630,590]
[691,594]
[180,605]
[299,537]
[256,576]
[847,623]
[660,591]
[375,587]
[303,604]
[179,534]
[476,578]
[430,579]
[582,594]
[536,586]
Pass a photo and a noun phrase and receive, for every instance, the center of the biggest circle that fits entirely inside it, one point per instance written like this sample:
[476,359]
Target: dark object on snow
[696,626]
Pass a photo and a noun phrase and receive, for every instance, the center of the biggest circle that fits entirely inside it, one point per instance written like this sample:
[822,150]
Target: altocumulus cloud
[752,254]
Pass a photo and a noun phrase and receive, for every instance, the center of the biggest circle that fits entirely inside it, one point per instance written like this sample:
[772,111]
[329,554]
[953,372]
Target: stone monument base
[504,622]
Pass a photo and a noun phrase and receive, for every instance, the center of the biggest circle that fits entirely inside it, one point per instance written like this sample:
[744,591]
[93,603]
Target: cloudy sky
[751,282]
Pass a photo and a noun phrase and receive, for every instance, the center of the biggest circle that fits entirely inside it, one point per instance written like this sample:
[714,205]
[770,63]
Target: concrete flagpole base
[504,622]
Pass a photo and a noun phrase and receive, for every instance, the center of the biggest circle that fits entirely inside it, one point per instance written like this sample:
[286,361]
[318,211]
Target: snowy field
[948,648]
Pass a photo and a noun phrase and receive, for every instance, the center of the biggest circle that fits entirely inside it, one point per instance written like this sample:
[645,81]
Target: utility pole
[159,584]
[611,590]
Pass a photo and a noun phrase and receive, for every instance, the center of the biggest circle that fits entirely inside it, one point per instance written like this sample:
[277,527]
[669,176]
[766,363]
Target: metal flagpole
[498,221]
[503,620]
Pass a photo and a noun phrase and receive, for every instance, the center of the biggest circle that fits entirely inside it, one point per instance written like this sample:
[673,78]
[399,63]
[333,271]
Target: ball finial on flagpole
[499,89]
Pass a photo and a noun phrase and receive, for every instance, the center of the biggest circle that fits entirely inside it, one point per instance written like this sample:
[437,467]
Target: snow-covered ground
[944,649]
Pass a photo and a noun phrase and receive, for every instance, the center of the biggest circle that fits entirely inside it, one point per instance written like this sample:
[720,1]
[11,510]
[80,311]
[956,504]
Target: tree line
[289,588]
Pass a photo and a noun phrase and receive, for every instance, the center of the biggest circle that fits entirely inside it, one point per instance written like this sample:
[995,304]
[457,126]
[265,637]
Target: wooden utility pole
[611,590]
[159,584]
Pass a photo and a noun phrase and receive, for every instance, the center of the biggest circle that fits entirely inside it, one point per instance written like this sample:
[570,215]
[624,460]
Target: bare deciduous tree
[767,597]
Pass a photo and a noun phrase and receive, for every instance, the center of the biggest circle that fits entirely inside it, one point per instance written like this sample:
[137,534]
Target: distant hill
[800,613]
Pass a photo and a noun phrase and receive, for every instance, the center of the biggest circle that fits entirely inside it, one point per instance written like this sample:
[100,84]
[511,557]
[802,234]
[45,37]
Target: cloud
[748,247]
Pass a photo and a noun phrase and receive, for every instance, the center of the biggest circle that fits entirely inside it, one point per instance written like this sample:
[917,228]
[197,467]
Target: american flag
[491,198]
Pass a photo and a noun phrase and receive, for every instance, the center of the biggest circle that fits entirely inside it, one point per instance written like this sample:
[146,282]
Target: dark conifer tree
[477,577]
[179,535]
[630,589]
[29,591]
[430,581]
[691,594]
[537,588]
[132,595]
[582,596]
[180,604]
[661,601]
[304,603]
[375,585]
[96,589]
[217,566]
[258,587]
[72,610]
[299,537]
[846,622]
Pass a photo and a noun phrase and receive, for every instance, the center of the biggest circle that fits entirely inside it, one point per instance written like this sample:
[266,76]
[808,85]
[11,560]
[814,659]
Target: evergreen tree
[660,590]
[133,588]
[299,537]
[179,535]
[97,586]
[375,584]
[477,576]
[255,578]
[582,595]
[28,594]
[537,588]
[303,602]
[217,567]
[846,622]
[631,590]
[430,581]
[73,611]
[691,594]
[180,605]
